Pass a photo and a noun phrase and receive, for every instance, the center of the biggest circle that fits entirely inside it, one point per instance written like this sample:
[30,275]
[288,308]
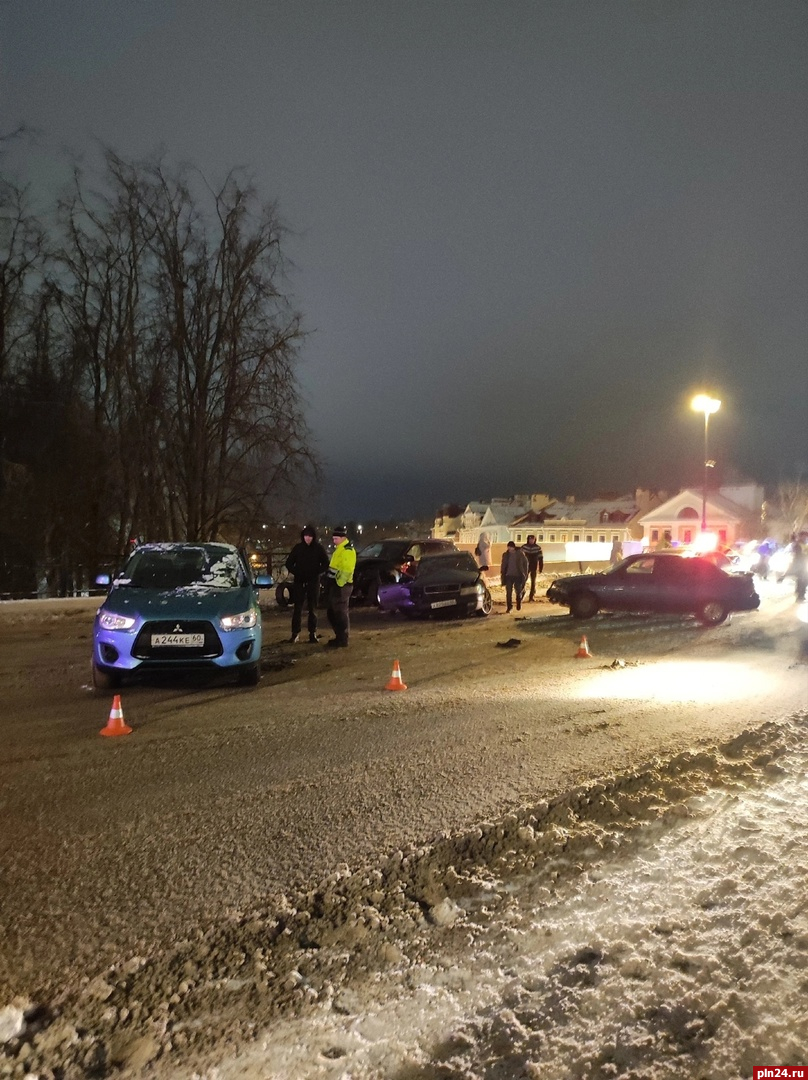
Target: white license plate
[184,641]
[443,603]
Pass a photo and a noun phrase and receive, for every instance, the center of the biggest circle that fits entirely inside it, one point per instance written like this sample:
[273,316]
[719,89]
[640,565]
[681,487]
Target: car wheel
[712,613]
[249,675]
[283,594]
[583,606]
[487,605]
[105,679]
[369,590]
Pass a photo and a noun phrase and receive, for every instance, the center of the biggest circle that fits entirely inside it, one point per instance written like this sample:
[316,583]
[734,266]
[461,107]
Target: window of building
[615,538]
[654,535]
[687,536]
[552,536]
[602,538]
[722,535]
[519,538]
[576,537]
[589,538]
[541,536]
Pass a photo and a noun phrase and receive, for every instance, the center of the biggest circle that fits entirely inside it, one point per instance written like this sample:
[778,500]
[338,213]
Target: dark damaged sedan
[446,584]
[662,583]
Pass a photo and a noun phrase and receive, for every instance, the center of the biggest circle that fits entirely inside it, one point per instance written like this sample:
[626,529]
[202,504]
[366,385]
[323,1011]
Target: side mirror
[264,581]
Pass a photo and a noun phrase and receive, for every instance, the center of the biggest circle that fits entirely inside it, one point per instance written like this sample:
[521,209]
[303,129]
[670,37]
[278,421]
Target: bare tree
[188,346]
[147,364]
[229,341]
[791,504]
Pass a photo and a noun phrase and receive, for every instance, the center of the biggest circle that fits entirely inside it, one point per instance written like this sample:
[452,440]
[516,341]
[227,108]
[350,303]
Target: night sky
[523,233]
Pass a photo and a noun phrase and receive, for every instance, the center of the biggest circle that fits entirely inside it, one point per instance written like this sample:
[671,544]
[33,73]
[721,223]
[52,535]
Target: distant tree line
[147,368]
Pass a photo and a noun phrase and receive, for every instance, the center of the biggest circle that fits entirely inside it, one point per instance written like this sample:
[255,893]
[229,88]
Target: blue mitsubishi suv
[179,607]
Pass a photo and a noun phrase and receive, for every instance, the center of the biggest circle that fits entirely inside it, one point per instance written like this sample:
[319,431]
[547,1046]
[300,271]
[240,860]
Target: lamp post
[705,404]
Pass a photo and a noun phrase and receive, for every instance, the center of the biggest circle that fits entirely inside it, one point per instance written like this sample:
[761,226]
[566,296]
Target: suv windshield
[175,567]
[384,549]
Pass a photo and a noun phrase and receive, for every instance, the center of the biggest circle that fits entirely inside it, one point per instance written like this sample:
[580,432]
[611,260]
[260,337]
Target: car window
[415,551]
[673,568]
[640,566]
[176,568]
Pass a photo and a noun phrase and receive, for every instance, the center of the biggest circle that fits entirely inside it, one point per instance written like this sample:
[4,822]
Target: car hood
[446,577]
[577,579]
[192,602]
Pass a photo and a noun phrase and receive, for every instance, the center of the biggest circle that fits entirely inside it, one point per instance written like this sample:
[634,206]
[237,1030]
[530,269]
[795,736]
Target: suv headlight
[244,621]
[110,621]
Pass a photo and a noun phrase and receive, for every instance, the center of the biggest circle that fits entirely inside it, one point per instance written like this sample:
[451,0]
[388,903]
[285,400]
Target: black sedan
[445,584]
[384,561]
[664,583]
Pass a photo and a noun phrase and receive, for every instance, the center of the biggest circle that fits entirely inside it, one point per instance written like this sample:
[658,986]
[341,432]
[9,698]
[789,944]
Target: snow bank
[646,925]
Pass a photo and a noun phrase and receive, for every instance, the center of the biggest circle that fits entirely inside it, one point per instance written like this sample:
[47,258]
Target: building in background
[734,514]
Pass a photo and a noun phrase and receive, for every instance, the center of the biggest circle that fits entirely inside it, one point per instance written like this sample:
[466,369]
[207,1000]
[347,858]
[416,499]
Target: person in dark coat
[535,562]
[513,574]
[306,562]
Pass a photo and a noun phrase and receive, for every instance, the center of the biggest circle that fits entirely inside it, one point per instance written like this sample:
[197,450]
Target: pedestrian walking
[307,562]
[535,562]
[483,550]
[616,554]
[513,572]
[340,587]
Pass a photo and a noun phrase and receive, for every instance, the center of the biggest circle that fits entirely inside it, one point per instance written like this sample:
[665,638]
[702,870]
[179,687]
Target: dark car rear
[664,583]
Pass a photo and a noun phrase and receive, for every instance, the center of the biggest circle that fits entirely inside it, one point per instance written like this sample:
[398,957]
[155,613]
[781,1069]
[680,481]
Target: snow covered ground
[670,941]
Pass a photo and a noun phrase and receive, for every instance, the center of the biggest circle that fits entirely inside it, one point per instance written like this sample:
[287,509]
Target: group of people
[520,565]
[307,562]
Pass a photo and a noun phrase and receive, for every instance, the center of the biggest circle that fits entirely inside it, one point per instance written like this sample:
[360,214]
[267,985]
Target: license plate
[443,603]
[184,641]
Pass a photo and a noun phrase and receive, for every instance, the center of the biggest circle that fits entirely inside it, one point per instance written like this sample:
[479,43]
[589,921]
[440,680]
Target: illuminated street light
[705,404]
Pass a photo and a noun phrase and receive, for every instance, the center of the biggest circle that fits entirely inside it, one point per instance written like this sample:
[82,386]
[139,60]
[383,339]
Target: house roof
[718,504]
[620,509]
[533,517]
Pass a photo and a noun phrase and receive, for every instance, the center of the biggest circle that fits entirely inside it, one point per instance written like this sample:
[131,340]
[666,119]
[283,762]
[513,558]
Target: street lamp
[704,403]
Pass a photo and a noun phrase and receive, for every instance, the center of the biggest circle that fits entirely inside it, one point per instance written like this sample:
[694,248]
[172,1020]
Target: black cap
[339,530]
[308,530]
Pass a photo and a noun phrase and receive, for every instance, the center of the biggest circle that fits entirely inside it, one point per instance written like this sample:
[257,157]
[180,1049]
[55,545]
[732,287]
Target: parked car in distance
[179,607]
[664,583]
[383,561]
[449,583]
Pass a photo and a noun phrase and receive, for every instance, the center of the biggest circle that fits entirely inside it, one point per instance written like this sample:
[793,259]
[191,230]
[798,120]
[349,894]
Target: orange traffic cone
[396,682]
[583,649]
[116,725]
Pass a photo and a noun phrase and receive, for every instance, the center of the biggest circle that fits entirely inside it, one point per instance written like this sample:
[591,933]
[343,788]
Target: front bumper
[122,651]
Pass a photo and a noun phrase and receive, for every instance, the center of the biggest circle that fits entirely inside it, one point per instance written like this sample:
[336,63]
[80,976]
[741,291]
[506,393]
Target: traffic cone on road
[583,649]
[396,682]
[116,725]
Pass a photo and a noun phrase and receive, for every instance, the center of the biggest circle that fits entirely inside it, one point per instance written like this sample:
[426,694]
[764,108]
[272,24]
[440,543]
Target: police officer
[340,587]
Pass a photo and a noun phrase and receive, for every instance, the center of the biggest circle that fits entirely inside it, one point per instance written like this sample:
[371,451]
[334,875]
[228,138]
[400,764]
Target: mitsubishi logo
[177,629]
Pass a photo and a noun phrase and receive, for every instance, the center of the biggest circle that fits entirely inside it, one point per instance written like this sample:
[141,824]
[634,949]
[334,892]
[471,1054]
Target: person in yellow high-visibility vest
[340,587]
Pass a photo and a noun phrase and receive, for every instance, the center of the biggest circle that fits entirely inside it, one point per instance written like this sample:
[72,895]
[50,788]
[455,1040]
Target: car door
[629,587]
[673,587]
